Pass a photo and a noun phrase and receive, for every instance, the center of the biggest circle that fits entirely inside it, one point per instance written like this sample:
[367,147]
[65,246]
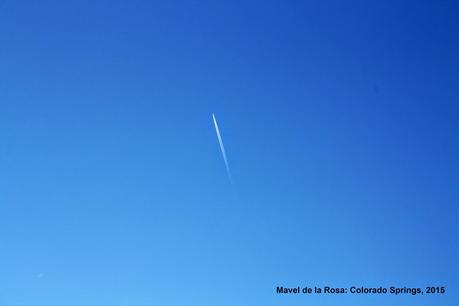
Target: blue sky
[340,122]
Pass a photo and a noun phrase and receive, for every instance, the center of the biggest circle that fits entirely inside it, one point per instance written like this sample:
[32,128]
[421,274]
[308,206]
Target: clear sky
[340,121]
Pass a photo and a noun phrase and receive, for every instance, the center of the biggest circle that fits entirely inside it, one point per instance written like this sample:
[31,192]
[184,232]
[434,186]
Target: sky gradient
[340,123]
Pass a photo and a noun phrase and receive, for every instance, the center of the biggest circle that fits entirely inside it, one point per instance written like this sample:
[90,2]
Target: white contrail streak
[222,147]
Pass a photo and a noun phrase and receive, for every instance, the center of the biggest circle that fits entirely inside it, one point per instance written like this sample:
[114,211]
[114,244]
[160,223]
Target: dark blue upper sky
[340,121]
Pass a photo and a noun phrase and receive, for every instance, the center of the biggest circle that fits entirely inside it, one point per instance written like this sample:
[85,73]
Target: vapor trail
[222,148]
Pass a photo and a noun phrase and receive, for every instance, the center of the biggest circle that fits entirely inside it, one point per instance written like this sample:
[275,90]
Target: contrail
[222,148]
